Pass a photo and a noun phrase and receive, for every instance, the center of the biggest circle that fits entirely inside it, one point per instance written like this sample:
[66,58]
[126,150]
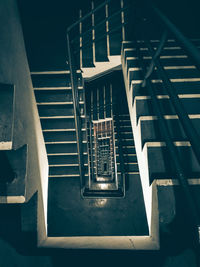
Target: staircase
[98,48]
[101,108]
[53,94]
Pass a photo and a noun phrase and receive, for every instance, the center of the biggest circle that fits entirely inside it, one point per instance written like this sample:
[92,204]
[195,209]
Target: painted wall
[14,69]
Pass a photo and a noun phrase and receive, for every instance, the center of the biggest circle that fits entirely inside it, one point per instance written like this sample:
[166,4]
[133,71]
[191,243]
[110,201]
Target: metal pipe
[77,113]
[187,44]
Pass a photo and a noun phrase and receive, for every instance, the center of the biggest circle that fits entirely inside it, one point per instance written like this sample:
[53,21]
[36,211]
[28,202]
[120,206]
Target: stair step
[189,87]
[64,175]
[132,62]
[125,129]
[150,131]
[162,169]
[56,89]
[51,79]
[125,142]
[179,73]
[62,130]
[59,103]
[58,124]
[65,159]
[130,158]
[127,150]
[128,167]
[62,142]
[63,170]
[56,96]
[144,108]
[61,136]
[103,193]
[65,154]
[62,148]
[55,110]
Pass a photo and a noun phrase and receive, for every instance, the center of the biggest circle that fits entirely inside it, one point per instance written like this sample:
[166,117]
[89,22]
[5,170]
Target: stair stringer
[148,190]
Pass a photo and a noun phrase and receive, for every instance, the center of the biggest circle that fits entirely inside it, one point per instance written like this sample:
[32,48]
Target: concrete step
[64,169]
[53,79]
[63,148]
[58,124]
[55,95]
[125,129]
[65,158]
[173,72]
[64,176]
[167,51]
[127,150]
[182,86]
[125,142]
[57,109]
[126,135]
[62,136]
[128,167]
[160,168]
[155,43]
[144,107]
[128,158]
[166,61]
[150,131]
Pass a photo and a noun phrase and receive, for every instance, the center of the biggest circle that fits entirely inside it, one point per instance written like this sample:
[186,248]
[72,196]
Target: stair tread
[63,142]
[58,103]
[62,130]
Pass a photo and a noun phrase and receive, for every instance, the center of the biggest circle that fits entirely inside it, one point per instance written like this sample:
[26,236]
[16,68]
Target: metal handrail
[156,55]
[77,113]
[187,44]
[185,121]
[188,127]
[170,146]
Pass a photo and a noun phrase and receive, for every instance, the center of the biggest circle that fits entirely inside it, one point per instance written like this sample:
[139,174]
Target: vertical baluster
[93,32]
[107,29]
[122,20]
[81,40]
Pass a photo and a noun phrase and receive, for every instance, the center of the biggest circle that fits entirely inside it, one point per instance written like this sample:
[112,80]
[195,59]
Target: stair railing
[77,33]
[190,131]
[74,38]
[77,110]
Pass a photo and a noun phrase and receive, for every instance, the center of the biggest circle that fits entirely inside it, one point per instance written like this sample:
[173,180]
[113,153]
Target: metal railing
[77,109]
[73,31]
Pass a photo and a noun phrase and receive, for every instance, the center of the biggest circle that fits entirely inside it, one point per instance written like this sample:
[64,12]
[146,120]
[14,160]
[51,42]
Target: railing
[75,44]
[77,110]
[190,131]
[83,32]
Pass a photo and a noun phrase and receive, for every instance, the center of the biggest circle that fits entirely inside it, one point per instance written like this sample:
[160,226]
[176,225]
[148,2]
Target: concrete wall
[14,69]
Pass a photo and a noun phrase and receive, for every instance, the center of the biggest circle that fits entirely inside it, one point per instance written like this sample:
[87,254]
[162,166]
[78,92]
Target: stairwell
[141,152]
